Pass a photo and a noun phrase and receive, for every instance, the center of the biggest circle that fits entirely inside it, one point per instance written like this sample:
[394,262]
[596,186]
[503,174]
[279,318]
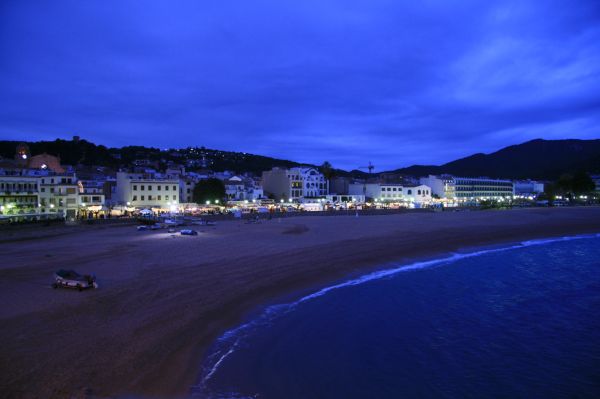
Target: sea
[520,321]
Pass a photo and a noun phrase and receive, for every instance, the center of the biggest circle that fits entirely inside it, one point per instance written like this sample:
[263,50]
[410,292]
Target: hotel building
[468,188]
[146,191]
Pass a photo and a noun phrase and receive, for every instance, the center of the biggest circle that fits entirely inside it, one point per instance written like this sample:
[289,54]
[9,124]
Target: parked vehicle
[204,223]
[142,228]
[188,232]
[72,279]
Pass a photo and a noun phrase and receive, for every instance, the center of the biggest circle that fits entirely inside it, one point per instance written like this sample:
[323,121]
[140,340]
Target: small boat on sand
[72,279]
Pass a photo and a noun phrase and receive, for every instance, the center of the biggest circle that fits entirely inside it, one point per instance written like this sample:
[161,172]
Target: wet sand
[164,298]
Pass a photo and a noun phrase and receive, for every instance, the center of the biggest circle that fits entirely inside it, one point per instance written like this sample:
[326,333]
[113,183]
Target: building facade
[18,194]
[392,192]
[295,183]
[468,188]
[528,187]
[59,194]
[146,191]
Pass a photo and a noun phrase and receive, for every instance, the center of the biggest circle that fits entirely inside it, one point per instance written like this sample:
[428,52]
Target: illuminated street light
[281,200]
[216,201]
[128,203]
[207,202]
[51,205]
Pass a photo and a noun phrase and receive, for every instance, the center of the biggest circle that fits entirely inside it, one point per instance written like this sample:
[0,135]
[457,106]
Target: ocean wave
[231,339]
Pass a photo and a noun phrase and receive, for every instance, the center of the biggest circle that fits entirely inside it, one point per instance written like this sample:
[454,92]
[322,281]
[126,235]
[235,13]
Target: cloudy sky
[392,82]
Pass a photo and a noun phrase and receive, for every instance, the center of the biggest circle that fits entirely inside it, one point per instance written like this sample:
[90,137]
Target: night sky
[391,82]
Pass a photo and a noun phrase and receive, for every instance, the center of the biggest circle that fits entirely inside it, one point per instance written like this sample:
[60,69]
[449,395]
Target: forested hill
[536,159]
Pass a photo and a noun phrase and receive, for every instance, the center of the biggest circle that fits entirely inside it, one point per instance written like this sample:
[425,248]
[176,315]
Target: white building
[392,192]
[441,186]
[295,183]
[142,191]
[235,188]
[528,187]
[468,188]
[91,195]
[59,194]
[239,188]
[18,194]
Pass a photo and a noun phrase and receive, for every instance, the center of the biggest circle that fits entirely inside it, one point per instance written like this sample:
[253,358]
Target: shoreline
[258,317]
[160,334]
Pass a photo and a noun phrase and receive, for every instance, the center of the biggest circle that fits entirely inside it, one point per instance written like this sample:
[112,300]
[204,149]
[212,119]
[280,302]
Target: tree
[327,170]
[582,183]
[209,190]
[579,183]
[549,193]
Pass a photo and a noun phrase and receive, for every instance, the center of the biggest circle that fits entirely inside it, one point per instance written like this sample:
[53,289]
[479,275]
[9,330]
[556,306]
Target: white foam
[218,363]
[271,312]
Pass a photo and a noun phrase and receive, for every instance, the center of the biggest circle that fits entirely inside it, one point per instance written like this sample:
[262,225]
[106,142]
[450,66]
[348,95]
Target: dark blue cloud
[346,81]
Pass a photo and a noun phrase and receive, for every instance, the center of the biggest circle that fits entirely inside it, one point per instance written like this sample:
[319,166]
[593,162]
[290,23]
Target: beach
[163,298]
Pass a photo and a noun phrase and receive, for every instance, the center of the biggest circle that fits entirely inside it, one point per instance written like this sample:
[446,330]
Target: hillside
[536,159]
[83,152]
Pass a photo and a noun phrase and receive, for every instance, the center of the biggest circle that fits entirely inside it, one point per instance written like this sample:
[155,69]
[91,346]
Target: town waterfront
[165,298]
[515,321]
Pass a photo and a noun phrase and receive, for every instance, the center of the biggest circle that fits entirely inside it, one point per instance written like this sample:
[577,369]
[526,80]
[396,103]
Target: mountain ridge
[535,159]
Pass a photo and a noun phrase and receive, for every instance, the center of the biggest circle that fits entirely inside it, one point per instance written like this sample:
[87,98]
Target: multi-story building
[339,185]
[441,186]
[235,188]
[295,183]
[240,188]
[146,191]
[91,195]
[18,194]
[186,189]
[392,192]
[59,194]
[528,187]
[468,188]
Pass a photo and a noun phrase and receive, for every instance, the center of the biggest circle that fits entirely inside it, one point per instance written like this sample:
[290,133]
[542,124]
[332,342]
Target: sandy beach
[164,298]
